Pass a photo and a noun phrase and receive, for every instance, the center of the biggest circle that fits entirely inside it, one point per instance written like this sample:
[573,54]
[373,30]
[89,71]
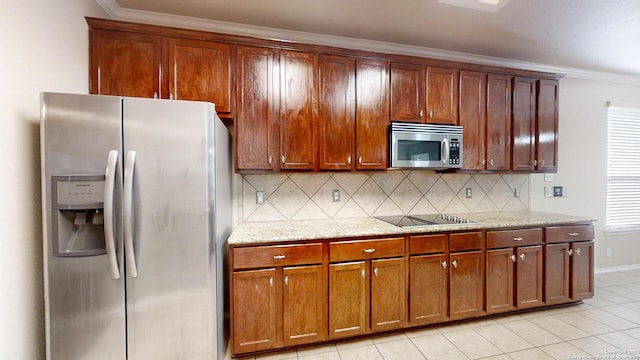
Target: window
[623,168]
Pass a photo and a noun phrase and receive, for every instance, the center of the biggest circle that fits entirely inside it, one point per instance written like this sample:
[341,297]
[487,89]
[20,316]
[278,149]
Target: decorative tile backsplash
[306,196]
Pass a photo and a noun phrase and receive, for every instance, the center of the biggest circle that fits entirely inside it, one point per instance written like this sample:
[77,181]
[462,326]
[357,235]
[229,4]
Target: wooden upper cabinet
[442,96]
[473,95]
[523,122]
[200,70]
[255,135]
[498,143]
[298,118]
[407,92]
[372,114]
[125,64]
[336,112]
[547,125]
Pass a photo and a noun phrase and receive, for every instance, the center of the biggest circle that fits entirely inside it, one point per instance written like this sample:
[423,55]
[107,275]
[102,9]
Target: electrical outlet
[516,192]
[336,195]
[548,191]
[548,177]
[259,197]
[608,251]
[469,193]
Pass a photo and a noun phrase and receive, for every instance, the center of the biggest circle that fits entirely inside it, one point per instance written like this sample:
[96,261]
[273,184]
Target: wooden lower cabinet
[466,284]
[500,272]
[304,311]
[529,279]
[388,294]
[347,299]
[254,310]
[557,277]
[582,270]
[429,282]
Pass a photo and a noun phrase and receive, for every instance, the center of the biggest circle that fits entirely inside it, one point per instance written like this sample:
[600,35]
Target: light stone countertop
[255,233]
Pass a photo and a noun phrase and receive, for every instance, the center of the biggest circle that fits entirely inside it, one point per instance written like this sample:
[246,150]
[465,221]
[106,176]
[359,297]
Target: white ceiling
[601,36]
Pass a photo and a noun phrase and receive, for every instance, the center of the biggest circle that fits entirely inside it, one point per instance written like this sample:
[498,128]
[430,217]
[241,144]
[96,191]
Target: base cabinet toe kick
[288,294]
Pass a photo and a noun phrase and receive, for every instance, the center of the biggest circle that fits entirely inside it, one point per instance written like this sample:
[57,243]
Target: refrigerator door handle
[109,188]
[132,268]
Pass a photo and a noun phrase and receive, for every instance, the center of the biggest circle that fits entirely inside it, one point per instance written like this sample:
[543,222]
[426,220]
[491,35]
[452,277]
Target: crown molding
[117,12]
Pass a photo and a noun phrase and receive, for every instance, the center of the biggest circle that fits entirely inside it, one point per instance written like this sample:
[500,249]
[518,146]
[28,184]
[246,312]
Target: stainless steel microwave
[425,146]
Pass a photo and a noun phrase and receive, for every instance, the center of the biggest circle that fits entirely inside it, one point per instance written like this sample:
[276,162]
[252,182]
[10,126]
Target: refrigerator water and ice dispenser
[78,217]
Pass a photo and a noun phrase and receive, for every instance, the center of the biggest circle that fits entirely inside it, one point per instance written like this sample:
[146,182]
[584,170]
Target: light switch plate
[548,177]
[548,191]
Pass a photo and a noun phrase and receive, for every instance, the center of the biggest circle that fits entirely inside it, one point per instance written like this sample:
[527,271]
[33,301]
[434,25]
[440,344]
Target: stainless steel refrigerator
[136,197]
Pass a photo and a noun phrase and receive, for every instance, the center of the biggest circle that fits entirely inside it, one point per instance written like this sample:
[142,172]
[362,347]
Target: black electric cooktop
[410,221]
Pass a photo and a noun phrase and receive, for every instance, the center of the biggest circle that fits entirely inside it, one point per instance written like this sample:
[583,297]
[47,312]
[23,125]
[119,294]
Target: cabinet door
[125,64]
[523,122]
[254,310]
[255,140]
[388,294]
[547,121]
[407,92]
[336,109]
[500,265]
[372,114]
[347,299]
[582,270]
[428,302]
[498,122]
[556,273]
[466,281]
[200,70]
[298,125]
[472,118]
[442,96]
[529,276]
[304,314]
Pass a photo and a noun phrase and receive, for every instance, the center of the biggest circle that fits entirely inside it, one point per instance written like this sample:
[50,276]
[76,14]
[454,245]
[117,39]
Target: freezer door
[84,294]
[171,291]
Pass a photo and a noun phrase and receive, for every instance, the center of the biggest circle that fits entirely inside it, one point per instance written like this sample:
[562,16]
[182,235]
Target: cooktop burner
[411,221]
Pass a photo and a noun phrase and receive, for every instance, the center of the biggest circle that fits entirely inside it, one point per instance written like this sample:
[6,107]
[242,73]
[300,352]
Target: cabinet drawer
[427,244]
[513,238]
[558,234]
[466,241]
[365,249]
[276,255]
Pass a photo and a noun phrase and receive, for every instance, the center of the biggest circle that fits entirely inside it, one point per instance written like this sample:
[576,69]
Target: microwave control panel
[454,152]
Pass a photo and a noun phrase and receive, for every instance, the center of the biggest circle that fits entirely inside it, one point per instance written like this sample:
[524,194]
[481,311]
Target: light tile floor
[604,327]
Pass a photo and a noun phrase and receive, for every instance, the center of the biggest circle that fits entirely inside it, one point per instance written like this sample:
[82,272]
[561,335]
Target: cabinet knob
[271,281]
[286,280]
[170,96]
[570,252]
[535,162]
[542,162]
[578,251]
[362,273]
[483,162]
[444,264]
[360,160]
[421,113]
[349,159]
[282,159]
[155,95]
[491,162]
[454,263]
[522,257]
[513,258]
[375,272]
[430,113]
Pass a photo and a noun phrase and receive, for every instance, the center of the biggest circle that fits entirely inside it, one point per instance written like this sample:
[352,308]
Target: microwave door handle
[445,150]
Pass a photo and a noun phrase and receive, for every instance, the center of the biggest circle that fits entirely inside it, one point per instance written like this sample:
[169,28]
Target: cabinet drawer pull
[578,251]
[517,238]
[271,281]
[444,264]
[286,280]
[513,258]
[279,257]
[369,250]
[362,273]
[375,272]
[573,234]
[522,257]
[455,264]
[570,252]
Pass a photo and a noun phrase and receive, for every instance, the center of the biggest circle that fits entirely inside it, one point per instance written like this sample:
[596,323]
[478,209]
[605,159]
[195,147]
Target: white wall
[44,48]
[582,164]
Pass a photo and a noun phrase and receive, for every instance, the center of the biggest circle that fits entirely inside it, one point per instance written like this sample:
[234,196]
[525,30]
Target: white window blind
[623,170]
